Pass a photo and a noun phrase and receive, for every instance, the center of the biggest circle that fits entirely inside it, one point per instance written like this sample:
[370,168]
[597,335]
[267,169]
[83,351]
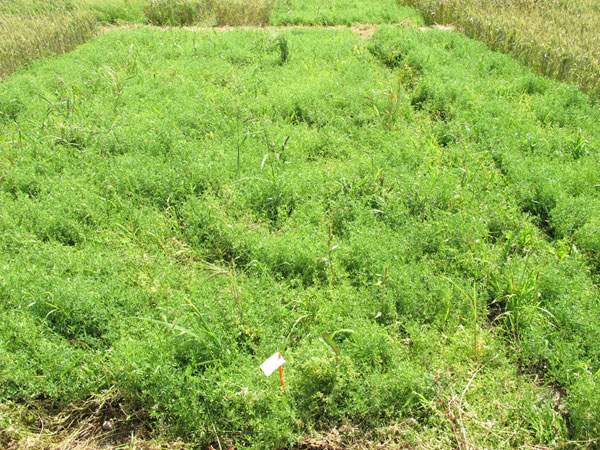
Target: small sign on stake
[271,364]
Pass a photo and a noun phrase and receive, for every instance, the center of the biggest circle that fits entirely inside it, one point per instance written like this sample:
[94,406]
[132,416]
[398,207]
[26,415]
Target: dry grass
[103,422]
[558,38]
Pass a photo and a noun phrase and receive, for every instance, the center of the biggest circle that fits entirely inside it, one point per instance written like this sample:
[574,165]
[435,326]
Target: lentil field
[411,218]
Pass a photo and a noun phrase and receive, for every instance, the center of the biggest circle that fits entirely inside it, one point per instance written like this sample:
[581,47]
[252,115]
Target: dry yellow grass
[559,38]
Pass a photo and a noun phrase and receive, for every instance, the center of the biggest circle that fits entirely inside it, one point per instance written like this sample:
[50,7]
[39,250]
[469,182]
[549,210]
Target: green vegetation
[342,12]
[558,38]
[412,220]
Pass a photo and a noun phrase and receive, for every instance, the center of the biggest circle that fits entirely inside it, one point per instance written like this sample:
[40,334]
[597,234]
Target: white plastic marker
[271,364]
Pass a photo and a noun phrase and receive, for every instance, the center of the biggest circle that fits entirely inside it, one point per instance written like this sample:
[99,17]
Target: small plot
[176,206]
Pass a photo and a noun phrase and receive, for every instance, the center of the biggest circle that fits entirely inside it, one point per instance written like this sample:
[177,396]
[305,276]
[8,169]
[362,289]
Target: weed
[330,264]
[232,277]
[280,43]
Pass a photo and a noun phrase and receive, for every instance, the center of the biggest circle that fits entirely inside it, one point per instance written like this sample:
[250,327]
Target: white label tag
[274,362]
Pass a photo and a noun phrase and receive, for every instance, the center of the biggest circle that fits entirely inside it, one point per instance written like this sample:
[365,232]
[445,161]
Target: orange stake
[281,376]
